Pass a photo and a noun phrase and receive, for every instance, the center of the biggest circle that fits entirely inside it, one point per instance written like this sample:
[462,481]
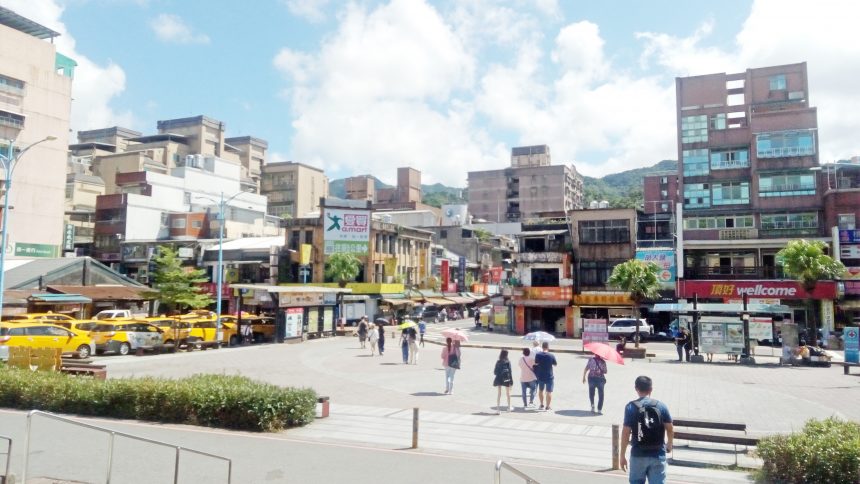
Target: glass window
[777,82]
[786,143]
[697,195]
[694,129]
[178,223]
[695,162]
[786,185]
[725,222]
[789,221]
[718,121]
[604,232]
[730,193]
[846,221]
[730,158]
[595,273]
[11,84]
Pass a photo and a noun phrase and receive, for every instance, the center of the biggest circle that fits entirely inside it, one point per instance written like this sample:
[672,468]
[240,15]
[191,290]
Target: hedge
[231,402]
[824,451]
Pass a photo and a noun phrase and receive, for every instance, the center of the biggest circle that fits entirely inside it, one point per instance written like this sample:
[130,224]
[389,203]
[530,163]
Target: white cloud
[94,85]
[173,29]
[311,10]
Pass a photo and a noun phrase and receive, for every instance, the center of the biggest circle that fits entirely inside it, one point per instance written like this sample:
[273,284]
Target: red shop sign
[754,289]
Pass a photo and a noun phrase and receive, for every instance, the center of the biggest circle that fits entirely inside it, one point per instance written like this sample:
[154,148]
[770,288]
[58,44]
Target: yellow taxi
[44,335]
[121,337]
[49,316]
[84,326]
[263,329]
[176,332]
[204,326]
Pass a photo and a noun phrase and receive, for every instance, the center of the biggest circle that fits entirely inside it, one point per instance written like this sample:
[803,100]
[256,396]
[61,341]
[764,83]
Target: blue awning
[60,299]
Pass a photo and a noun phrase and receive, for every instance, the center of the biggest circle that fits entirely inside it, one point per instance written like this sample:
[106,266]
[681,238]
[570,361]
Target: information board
[721,337]
[294,322]
[328,319]
[852,344]
[594,331]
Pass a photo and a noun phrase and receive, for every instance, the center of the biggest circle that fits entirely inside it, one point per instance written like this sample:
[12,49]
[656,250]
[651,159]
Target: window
[70,190]
[718,121]
[10,84]
[789,221]
[196,224]
[846,221]
[595,273]
[777,83]
[730,193]
[786,185]
[730,158]
[786,143]
[604,232]
[694,129]
[309,236]
[723,222]
[187,197]
[178,223]
[697,195]
[695,162]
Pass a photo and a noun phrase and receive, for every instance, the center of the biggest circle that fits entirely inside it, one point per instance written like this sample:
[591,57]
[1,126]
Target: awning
[397,302]
[541,303]
[476,296]
[355,297]
[439,301]
[59,299]
[849,304]
[460,299]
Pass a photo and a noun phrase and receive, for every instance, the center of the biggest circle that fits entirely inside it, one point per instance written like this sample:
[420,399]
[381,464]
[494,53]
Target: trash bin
[322,408]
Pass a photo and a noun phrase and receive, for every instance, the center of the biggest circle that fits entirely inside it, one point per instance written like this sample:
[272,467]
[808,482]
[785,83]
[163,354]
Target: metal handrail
[8,454]
[502,464]
[114,433]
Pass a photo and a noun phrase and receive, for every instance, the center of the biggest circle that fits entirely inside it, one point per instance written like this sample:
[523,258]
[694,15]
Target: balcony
[540,257]
[738,234]
[726,272]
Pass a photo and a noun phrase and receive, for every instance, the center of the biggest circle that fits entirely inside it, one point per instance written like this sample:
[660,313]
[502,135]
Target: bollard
[415,428]
[616,445]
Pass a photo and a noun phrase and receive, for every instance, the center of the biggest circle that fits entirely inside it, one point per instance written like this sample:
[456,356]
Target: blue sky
[447,86]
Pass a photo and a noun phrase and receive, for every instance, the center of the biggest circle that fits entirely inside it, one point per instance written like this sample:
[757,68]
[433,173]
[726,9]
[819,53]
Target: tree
[342,268]
[638,278]
[806,262]
[175,286]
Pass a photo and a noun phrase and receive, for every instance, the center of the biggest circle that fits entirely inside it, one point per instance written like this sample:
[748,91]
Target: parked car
[427,312]
[113,314]
[79,325]
[177,333]
[262,329]
[123,336]
[41,317]
[627,327]
[44,335]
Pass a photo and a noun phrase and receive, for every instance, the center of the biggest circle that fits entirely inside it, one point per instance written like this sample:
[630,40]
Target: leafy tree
[806,261]
[482,234]
[342,268]
[639,278]
[175,286]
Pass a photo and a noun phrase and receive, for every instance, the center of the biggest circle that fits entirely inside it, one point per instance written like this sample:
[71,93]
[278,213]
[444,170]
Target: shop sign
[294,322]
[594,331]
[35,250]
[849,251]
[300,299]
[69,238]
[461,274]
[602,299]
[540,257]
[849,236]
[852,287]
[346,231]
[754,289]
[305,254]
[665,260]
[211,288]
[546,293]
[852,344]
[852,273]
[500,315]
[445,273]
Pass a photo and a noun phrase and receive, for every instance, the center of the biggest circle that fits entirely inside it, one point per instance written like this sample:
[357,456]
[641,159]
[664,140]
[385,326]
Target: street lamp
[9,162]
[219,276]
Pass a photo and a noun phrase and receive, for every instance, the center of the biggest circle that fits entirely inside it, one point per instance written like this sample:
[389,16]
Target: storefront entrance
[549,320]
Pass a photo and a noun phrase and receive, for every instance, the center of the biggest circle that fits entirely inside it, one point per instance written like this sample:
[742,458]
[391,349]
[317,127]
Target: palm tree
[640,279]
[806,261]
[342,268]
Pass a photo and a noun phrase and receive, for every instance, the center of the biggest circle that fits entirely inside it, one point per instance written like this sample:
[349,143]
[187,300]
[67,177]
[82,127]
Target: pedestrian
[362,331]
[595,370]
[422,328]
[649,423]
[412,337]
[682,344]
[477,317]
[381,339]
[451,362]
[544,361]
[528,380]
[535,348]
[621,346]
[503,379]
[373,337]
[404,346]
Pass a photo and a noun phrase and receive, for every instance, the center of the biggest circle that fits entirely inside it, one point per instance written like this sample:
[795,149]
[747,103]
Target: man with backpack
[648,428]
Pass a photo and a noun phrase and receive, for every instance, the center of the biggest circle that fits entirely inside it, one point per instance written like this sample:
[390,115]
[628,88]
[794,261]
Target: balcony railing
[547,257]
[725,272]
[738,234]
[785,152]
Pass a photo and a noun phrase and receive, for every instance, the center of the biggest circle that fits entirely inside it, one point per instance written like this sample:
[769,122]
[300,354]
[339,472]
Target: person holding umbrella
[596,371]
[451,362]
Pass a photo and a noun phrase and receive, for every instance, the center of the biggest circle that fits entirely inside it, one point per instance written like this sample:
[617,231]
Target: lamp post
[219,276]
[9,162]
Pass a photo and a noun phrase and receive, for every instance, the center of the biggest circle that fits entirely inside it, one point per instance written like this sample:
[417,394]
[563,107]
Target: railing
[8,455]
[725,272]
[500,464]
[114,433]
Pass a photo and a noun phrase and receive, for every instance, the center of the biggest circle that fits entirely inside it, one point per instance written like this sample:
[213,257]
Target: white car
[627,327]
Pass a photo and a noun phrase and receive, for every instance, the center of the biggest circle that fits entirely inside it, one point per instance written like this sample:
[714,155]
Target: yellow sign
[602,299]
[390,266]
[305,254]
[231,274]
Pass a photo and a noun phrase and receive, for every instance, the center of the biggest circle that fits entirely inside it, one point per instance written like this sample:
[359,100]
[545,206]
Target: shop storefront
[543,309]
[302,311]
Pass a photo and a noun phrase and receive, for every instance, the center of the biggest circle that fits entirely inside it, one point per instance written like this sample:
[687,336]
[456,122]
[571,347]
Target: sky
[362,87]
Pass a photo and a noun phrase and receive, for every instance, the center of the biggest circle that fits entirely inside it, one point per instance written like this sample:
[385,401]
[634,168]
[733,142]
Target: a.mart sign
[754,289]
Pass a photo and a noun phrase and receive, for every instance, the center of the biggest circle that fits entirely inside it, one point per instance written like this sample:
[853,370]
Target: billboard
[346,231]
[665,259]
[754,289]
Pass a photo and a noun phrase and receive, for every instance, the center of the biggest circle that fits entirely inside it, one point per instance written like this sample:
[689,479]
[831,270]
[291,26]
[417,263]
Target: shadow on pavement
[428,394]
[576,413]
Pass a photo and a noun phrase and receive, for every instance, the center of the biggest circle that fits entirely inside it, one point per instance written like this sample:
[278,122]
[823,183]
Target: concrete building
[748,151]
[82,192]
[530,188]
[35,103]
[293,189]
[656,221]
[405,196]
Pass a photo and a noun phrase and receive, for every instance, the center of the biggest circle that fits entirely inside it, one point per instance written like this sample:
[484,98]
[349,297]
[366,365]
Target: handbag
[454,360]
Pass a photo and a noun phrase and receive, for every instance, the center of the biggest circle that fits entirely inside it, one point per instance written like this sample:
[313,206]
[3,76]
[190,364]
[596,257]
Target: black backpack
[649,432]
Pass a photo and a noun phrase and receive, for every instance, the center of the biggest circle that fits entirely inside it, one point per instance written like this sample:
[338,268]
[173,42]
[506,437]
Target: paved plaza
[373,397]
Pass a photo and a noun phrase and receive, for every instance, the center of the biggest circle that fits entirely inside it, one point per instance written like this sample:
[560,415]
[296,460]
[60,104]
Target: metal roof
[104,293]
[60,298]
[26,273]
[25,25]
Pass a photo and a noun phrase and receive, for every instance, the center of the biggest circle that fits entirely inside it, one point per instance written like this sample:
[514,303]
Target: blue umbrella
[539,336]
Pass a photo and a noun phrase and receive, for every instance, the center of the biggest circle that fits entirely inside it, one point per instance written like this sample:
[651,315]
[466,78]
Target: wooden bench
[735,440]
[846,365]
[86,369]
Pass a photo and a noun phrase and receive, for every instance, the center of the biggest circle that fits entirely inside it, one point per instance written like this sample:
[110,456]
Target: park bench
[721,438]
[846,365]
[84,368]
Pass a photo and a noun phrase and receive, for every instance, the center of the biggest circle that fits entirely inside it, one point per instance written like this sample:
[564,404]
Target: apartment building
[531,187]
[293,189]
[82,192]
[35,106]
[749,181]
[405,196]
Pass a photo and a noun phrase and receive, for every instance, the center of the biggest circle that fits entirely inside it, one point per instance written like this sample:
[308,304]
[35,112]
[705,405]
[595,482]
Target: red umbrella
[605,351]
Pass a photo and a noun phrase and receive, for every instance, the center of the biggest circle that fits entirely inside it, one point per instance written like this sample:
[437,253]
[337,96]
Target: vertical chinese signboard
[346,231]
[445,273]
[461,274]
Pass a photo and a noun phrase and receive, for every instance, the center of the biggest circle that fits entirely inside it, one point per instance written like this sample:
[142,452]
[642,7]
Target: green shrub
[824,451]
[232,402]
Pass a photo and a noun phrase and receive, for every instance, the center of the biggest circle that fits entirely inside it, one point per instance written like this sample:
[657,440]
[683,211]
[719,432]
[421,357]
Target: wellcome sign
[754,289]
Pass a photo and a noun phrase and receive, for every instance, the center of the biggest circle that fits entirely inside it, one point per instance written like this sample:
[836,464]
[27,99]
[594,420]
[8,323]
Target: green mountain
[436,194]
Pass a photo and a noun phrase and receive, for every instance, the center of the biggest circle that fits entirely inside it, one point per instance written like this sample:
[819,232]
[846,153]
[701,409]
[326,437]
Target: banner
[665,259]
[305,254]
[754,289]
[294,322]
[346,231]
[594,331]
[445,274]
[461,272]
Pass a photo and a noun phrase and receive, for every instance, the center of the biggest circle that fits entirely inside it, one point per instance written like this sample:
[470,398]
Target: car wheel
[234,340]
[83,351]
[169,342]
[124,349]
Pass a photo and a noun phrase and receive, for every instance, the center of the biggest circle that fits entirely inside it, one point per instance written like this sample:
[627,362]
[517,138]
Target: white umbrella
[539,336]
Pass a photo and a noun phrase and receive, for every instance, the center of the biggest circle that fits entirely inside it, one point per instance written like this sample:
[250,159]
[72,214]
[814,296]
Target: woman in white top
[528,380]
[373,337]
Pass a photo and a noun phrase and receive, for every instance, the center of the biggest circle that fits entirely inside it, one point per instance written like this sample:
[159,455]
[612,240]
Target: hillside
[621,190]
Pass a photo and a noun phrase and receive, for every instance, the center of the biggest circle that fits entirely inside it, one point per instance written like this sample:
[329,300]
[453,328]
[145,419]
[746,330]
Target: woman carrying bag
[504,378]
